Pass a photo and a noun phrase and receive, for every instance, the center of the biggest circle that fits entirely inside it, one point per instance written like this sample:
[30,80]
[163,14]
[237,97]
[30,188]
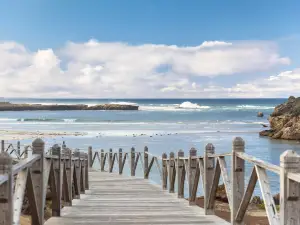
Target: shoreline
[21,135]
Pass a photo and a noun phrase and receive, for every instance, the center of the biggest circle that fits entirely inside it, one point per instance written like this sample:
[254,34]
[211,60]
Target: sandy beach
[22,135]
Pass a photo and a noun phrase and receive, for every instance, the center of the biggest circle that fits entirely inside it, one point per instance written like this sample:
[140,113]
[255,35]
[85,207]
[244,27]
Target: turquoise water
[163,125]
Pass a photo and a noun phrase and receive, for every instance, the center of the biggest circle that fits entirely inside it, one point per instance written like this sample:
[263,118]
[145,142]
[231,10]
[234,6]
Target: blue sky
[50,27]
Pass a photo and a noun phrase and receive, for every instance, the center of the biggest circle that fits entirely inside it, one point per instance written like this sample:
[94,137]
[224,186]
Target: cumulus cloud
[97,69]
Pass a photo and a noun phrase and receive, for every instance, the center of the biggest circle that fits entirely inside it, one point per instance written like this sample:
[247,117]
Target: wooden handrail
[210,167]
[32,176]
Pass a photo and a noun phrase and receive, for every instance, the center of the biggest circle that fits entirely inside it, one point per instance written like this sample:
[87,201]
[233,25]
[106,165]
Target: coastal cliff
[285,121]
[6,106]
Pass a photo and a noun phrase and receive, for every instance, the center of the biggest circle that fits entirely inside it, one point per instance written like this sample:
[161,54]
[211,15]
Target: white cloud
[95,69]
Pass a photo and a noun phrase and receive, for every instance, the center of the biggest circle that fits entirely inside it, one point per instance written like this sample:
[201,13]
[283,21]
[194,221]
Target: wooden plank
[150,166]
[164,171]
[94,157]
[270,206]
[19,193]
[214,187]
[32,198]
[120,156]
[146,160]
[192,174]
[201,167]
[136,161]
[259,162]
[122,200]
[289,189]
[172,172]
[36,172]
[132,161]
[225,179]
[209,165]
[6,190]
[247,197]
[237,177]
[180,174]
[124,161]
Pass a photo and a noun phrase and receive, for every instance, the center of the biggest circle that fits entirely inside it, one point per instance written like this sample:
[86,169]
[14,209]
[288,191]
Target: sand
[21,135]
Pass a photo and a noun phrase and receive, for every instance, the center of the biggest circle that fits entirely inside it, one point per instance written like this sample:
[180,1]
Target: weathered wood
[172,172]
[126,200]
[110,161]
[226,179]
[90,156]
[18,149]
[77,173]
[214,187]
[180,174]
[164,171]
[82,172]
[289,189]
[20,186]
[159,170]
[113,162]
[247,197]
[123,162]
[146,162]
[209,164]
[38,148]
[132,162]
[69,174]
[259,162]
[237,178]
[201,168]
[102,160]
[6,190]
[270,206]
[136,161]
[150,166]
[2,146]
[57,169]
[120,161]
[94,158]
[192,175]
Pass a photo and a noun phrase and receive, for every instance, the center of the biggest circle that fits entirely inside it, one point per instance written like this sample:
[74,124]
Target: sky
[149,48]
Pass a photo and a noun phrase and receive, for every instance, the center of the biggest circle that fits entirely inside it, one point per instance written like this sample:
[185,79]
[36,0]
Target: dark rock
[285,121]
[260,114]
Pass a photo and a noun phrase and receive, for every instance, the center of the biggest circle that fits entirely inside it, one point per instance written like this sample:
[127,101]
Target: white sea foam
[123,103]
[189,105]
[185,106]
[8,119]
[254,107]
[69,120]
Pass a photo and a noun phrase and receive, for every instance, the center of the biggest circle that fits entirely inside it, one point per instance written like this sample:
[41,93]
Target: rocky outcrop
[6,106]
[285,121]
[260,114]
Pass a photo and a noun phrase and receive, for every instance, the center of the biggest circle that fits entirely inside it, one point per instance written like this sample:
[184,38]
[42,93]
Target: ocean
[164,125]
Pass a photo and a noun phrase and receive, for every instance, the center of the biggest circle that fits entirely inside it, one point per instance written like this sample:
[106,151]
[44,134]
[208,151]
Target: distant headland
[7,106]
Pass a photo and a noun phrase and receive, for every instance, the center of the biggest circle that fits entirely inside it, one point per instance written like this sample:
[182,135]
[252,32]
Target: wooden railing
[63,171]
[208,169]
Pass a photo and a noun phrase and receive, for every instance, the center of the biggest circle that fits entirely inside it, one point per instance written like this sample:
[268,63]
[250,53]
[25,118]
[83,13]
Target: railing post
[90,158]
[69,172]
[132,161]
[180,174]
[77,172]
[110,159]
[146,162]
[172,172]
[237,177]
[192,174]
[18,148]
[120,161]
[209,165]
[56,201]
[6,190]
[164,171]
[2,146]
[38,148]
[86,179]
[102,160]
[26,152]
[289,190]
[82,172]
